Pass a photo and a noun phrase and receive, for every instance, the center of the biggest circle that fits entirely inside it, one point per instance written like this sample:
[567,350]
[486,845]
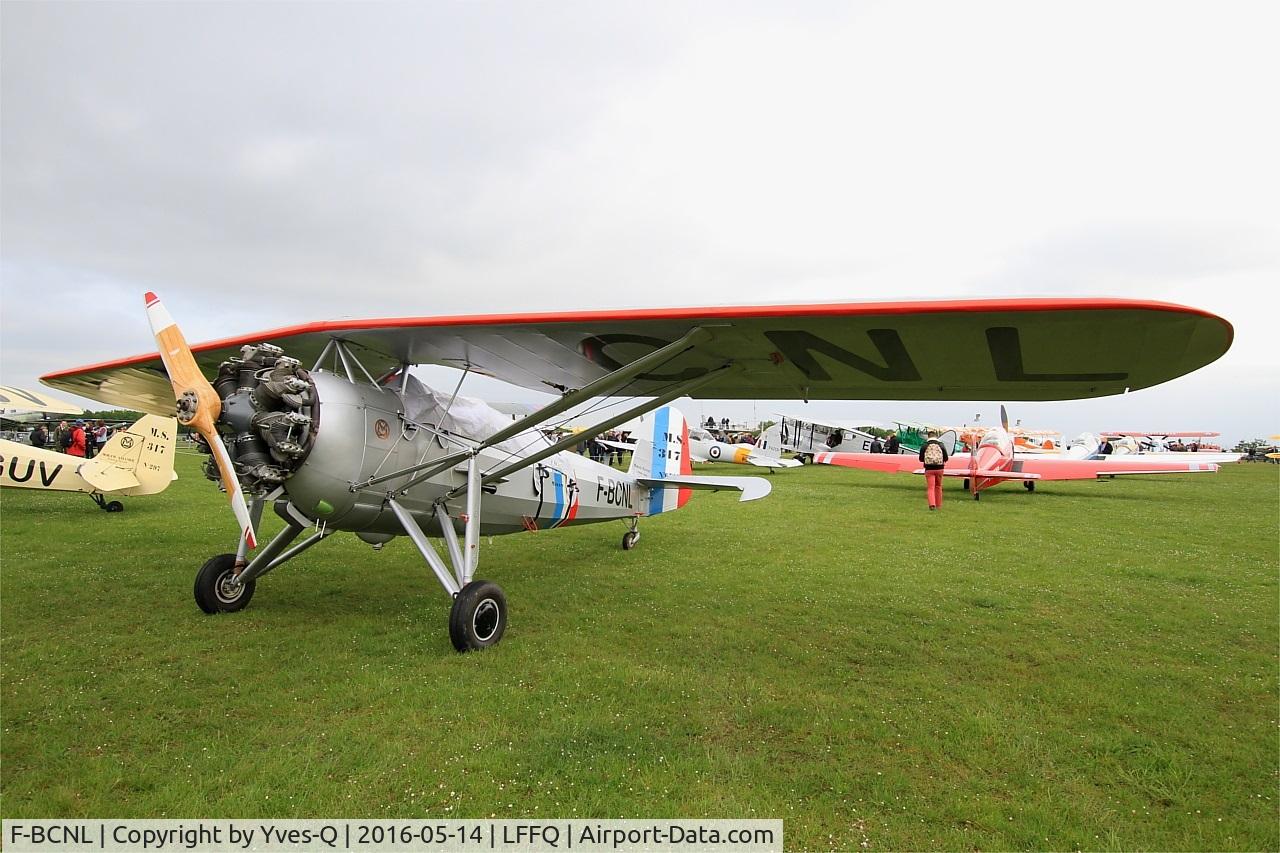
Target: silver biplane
[352,444]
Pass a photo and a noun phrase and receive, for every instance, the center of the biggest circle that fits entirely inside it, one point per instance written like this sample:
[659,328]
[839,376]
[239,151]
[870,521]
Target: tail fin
[662,453]
[770,443]
[137,460]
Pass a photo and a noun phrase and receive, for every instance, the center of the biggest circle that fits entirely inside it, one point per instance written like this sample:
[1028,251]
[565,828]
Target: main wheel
[1029,485]
[216,588]
[478,617]
[114,506]
[629,539]
[966,484]
[977,496]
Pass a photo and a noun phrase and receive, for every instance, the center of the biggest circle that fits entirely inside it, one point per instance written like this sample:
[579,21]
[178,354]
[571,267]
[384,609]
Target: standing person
[892,444]
[934,457]
[877,446]
[101,432]
[61,437]
[77,445]
[39,436]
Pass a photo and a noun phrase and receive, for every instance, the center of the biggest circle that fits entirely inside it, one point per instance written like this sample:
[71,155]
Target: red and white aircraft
[350,445]
[994,461]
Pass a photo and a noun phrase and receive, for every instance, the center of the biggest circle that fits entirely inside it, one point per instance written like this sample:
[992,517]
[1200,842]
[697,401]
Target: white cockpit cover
[473,419]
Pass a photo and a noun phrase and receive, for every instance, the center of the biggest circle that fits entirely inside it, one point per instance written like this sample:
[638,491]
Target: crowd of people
[77,438]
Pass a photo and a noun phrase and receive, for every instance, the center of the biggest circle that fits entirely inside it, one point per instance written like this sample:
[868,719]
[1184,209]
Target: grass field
[1091,666]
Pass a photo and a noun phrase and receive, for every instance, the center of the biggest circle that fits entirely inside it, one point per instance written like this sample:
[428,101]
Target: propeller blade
[198,404]
[1004,418]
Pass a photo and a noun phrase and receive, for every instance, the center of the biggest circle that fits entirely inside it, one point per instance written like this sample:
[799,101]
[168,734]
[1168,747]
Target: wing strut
[601,387]
[604,386]
[571,440]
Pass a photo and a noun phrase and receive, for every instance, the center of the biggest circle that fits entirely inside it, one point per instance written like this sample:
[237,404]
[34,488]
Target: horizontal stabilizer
[108,478]
[772,462]
[752,488]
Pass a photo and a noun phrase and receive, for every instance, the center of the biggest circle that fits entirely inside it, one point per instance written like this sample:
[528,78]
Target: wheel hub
[484,622]
[228,588]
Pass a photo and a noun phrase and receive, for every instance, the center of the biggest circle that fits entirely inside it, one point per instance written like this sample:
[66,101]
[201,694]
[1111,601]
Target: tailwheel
[478,617]
[114,506]
[1029,485]
[217,590]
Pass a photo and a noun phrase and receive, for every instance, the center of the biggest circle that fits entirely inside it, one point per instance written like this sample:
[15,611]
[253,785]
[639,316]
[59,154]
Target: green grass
[1090,666]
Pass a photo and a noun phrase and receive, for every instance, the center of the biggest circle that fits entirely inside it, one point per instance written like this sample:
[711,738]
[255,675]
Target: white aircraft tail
[661,463]
[137,460]
[770,443]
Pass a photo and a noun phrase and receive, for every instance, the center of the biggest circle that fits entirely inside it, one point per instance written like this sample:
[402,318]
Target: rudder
[664,452]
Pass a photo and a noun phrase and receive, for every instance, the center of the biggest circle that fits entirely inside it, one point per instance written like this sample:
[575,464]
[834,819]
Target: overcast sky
[266,164]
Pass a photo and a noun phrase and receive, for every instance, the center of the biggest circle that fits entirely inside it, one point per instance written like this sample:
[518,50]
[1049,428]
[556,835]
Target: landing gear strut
[113,506]
[632,536]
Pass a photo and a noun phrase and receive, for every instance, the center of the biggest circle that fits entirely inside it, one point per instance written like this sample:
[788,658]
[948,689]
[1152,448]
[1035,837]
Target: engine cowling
[271,423]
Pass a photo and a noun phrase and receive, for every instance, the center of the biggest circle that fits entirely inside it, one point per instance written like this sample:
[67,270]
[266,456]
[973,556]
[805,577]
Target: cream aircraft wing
[21,400]
[1011,349]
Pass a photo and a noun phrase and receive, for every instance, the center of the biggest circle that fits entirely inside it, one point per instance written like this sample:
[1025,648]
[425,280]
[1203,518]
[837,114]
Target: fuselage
[25,467]
[362,434]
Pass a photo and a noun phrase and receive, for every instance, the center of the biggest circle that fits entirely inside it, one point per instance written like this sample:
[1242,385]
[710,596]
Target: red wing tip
[150,298]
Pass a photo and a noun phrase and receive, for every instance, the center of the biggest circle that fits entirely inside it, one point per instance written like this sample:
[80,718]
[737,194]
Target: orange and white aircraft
[379,470]
[994,461]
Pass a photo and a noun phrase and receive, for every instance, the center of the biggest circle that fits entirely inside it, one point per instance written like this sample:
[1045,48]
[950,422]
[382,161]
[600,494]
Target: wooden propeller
[198,404]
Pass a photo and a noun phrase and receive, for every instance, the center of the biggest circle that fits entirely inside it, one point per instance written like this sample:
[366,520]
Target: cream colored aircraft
[136,461]
[22,406]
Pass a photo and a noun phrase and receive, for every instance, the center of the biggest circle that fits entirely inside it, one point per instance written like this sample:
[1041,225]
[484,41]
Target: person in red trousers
[934,457]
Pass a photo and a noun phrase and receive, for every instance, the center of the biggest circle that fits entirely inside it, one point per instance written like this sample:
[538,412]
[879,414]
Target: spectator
[934,457]
[101,432]
[39,436]
[61,437]
[877,446]
[892,445]
[77,444]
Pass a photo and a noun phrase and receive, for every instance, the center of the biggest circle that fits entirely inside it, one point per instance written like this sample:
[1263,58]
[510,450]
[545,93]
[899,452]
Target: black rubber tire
[478,618]
[977,496]
[211,596]
[966,484]
[629,539]
[114,506]
[1029,485]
